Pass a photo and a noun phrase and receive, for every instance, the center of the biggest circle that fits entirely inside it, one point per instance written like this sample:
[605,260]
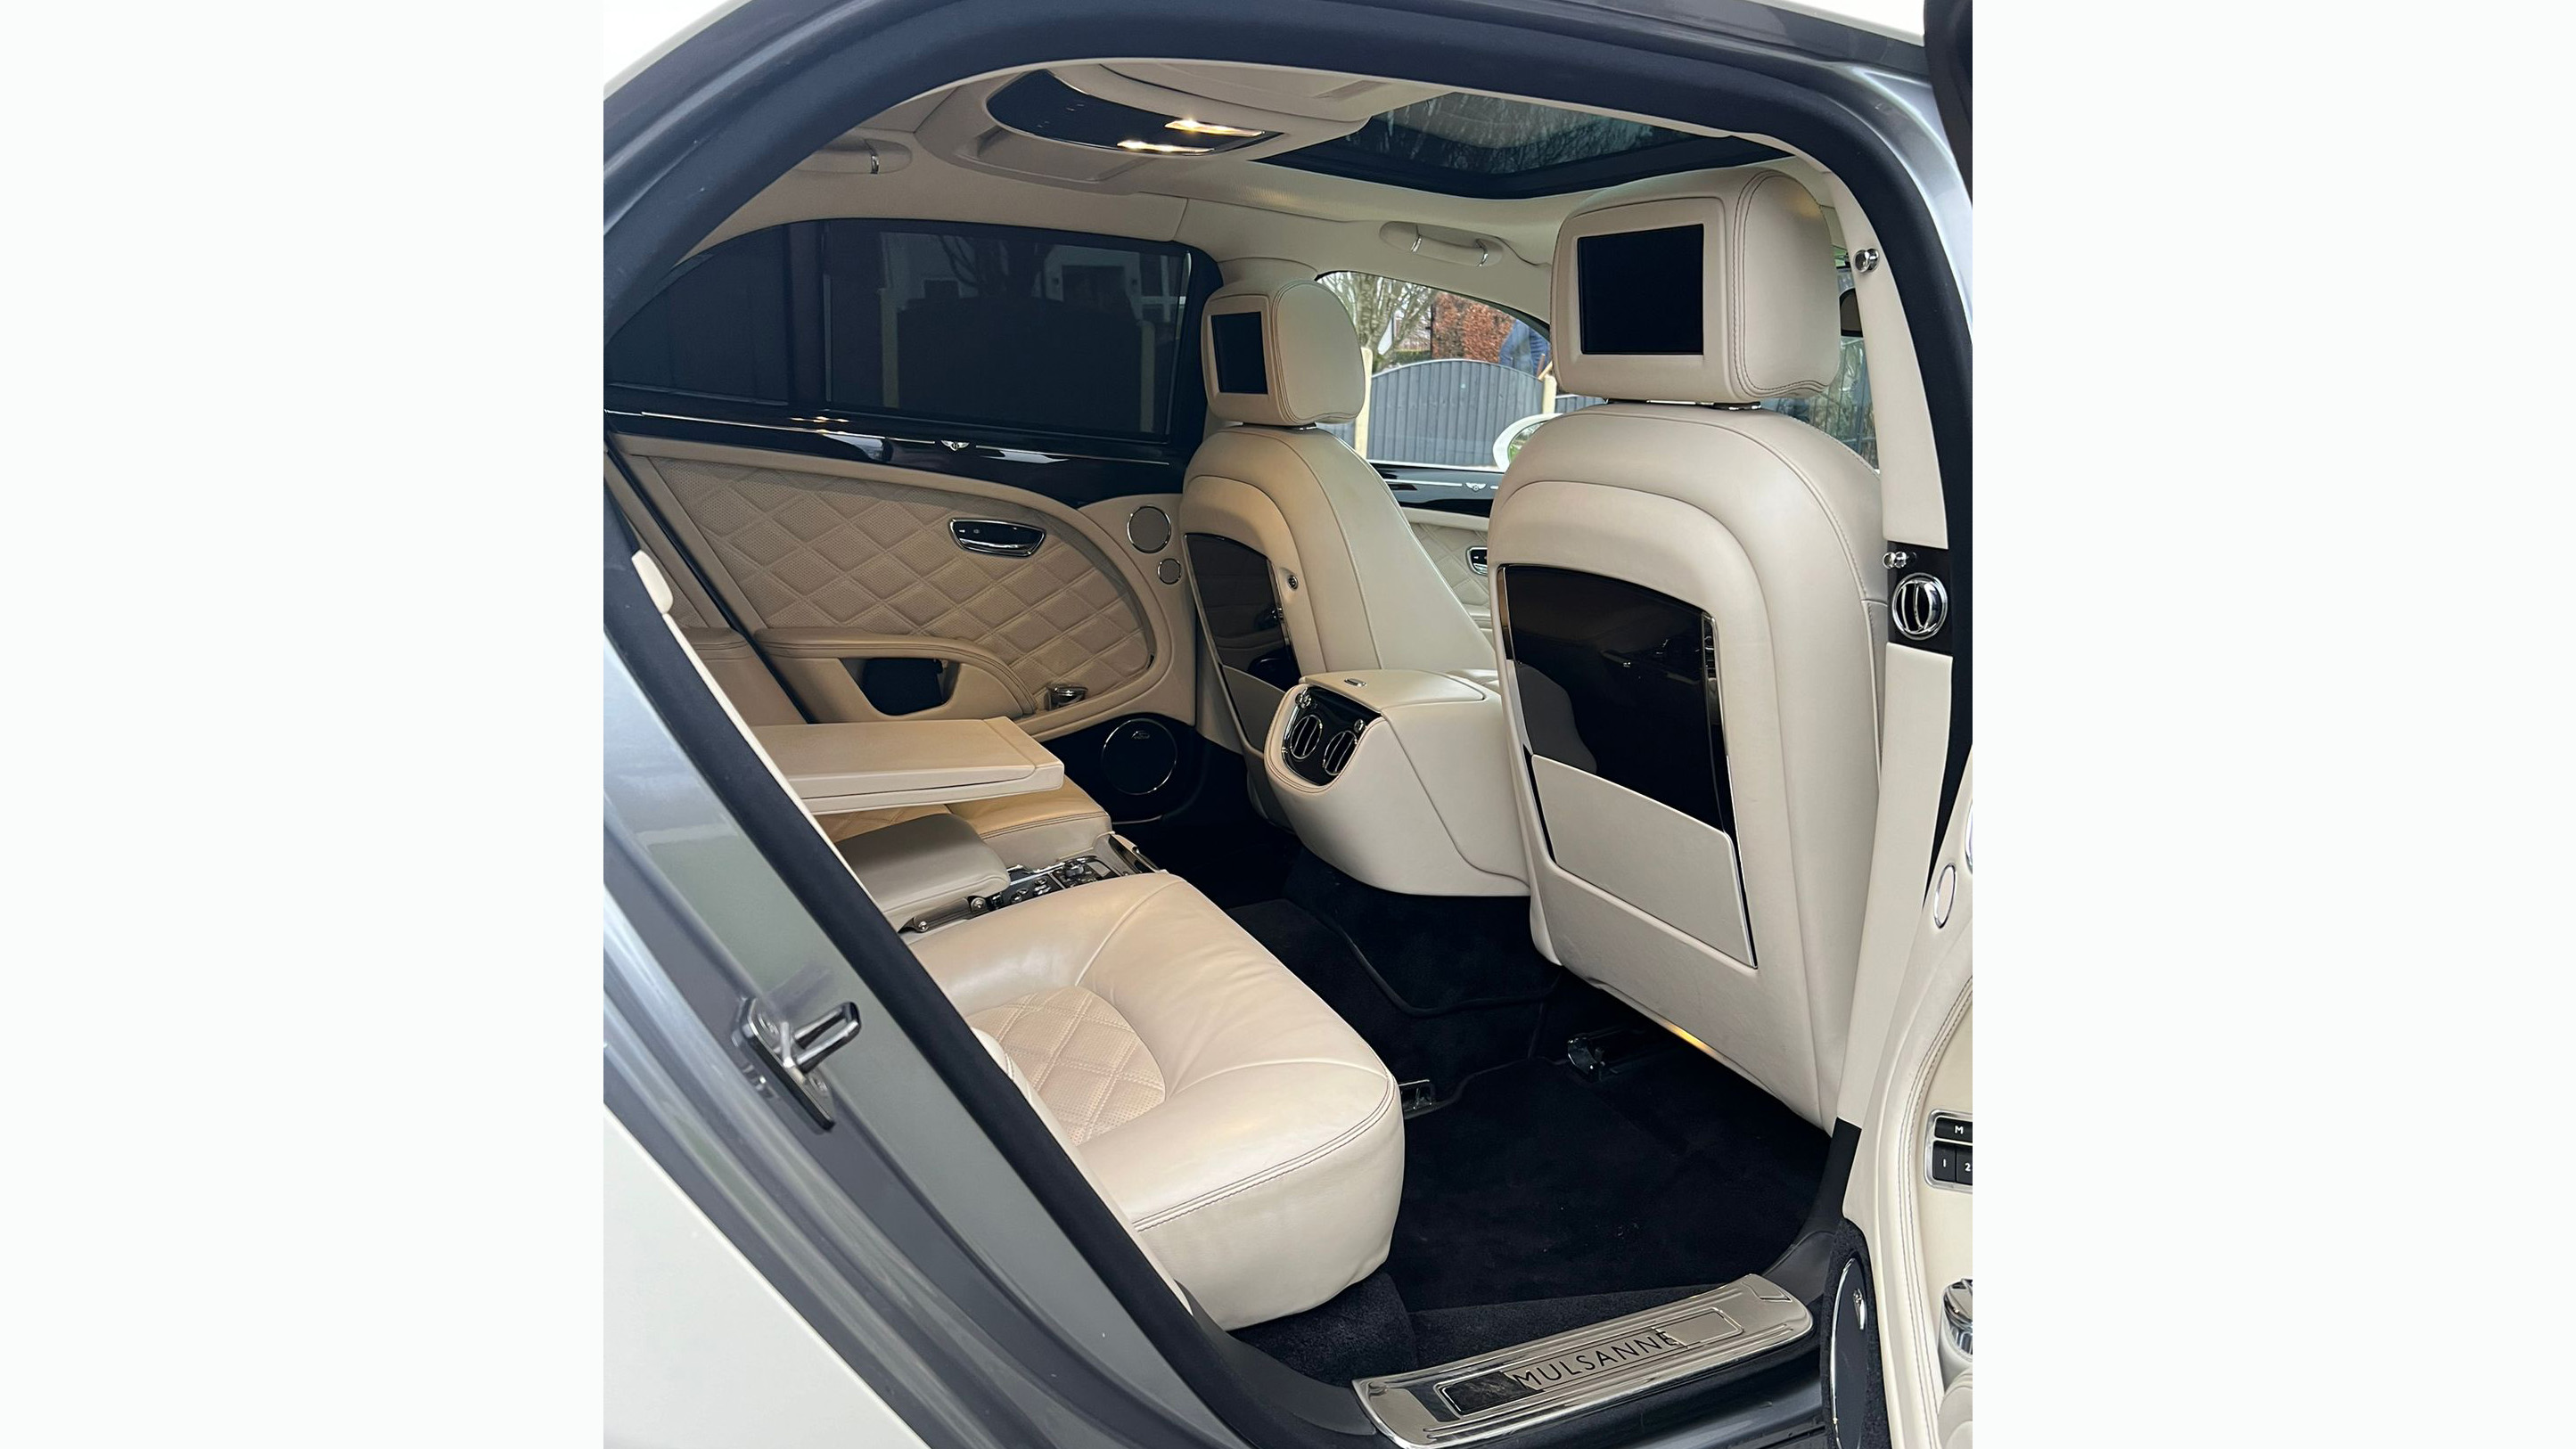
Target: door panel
[832,565]
[1447,537]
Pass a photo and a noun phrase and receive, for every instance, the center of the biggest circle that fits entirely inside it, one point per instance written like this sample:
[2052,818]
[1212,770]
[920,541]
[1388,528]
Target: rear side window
[1000,329]
[1454,383]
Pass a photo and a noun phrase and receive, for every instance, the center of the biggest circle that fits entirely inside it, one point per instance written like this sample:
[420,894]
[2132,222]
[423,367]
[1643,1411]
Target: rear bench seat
[1240,1129]
[1246,1135]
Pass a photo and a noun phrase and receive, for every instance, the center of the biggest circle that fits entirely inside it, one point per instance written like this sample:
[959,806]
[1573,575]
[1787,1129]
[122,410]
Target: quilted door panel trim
[799,543]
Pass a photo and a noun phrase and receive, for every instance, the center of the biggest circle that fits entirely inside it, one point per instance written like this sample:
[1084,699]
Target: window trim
[807,410]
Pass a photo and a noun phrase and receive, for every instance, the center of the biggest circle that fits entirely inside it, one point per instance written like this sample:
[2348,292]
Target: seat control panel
[1948,1158]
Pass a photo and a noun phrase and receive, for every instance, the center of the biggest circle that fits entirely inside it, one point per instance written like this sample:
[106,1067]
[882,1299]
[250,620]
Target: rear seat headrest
[1708,287]
[1281,355]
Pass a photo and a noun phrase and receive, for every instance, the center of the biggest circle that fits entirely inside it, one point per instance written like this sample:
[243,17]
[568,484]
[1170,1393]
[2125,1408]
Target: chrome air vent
[1322,733]
[1303,736]
[1337,752]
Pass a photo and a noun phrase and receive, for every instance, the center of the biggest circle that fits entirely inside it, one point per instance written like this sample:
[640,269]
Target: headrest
[1709,287]
[1281,354]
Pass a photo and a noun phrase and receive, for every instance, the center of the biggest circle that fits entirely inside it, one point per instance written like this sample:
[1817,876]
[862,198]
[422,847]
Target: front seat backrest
[1300,560]
[1691,598]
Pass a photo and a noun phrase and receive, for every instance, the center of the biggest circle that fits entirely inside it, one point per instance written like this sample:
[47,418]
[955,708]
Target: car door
[926,471]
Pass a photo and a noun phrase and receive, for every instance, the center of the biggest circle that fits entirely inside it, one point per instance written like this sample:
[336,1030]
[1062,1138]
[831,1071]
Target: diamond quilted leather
[815,551]
[1080,1055]
[1448,549]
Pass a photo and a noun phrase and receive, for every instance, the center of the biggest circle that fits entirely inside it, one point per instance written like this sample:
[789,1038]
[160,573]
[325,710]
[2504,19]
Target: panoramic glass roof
[1467,145]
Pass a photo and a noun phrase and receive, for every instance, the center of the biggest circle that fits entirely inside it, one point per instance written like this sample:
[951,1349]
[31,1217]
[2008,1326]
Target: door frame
[772,81]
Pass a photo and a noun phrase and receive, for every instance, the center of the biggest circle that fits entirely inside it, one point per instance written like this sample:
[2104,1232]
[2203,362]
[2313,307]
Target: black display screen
[1239,364]
[1638,292]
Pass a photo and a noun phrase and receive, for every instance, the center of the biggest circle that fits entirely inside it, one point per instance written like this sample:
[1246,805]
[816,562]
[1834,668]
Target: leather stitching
[817,550]
[1080,1056]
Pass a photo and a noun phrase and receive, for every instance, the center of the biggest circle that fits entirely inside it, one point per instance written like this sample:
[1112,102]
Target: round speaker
[1139,756]
[1149,529]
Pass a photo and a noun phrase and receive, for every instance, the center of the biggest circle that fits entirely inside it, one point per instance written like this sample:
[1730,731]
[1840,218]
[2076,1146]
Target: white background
[2273,512]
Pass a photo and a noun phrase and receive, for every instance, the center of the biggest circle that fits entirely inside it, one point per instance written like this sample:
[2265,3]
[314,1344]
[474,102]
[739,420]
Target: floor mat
[1538,1184]
[1432,953]
[1443,1049]
[1232,862]
[1359,1334]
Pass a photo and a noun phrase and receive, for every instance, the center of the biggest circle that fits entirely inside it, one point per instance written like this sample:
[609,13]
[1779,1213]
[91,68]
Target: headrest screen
[1639,291]
[1237,340]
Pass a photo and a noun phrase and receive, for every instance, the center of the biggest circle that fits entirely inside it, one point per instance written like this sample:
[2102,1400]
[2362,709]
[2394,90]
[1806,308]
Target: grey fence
[1445,412]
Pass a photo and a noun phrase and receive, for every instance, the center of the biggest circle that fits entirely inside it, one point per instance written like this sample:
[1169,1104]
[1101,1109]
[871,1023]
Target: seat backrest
[1691,600]
[1300,559]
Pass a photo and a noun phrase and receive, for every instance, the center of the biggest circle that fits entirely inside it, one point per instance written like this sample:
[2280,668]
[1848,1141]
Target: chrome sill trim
[1586,1368]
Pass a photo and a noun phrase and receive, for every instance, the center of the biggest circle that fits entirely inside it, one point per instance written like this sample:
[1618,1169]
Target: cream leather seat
[1692,600]
[1250,1139]
[1032,830]
[1299,558]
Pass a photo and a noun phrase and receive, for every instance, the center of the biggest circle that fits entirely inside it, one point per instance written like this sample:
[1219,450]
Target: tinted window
[1471,145]
[718,329]
[1002,327]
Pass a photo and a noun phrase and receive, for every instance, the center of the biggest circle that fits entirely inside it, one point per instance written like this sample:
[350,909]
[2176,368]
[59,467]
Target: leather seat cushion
[1242,1130]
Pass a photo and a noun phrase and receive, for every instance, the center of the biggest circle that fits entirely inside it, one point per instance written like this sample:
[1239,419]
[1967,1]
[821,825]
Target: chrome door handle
[993,536]
[1476,559]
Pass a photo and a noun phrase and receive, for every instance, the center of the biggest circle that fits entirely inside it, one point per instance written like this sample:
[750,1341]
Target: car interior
[1345,623]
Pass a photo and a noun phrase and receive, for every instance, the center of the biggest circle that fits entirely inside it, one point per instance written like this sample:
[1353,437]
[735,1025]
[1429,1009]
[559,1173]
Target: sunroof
[1467,145]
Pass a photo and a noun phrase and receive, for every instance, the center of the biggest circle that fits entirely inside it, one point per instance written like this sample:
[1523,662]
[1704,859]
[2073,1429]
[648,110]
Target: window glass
[1012,329]
[1452,381]
[717,329]
[1471,145]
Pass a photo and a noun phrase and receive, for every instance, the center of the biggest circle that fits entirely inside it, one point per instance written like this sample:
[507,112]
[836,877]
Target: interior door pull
[992,535]
[791,1055]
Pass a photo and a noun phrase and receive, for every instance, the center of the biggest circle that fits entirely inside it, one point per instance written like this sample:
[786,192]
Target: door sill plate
[1549,1378]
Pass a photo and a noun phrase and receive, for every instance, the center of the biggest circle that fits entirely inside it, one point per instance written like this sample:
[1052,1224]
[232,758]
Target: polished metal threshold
[1550,1378]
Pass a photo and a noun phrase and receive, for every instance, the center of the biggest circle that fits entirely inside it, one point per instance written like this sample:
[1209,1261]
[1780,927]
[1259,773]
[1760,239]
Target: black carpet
[1536,1199]
[1360,1334]
[1538,1184]
[1431,953]
[1442,1049]
[1232,862]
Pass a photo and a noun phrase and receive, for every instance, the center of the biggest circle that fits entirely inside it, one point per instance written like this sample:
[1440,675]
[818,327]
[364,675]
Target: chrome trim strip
[1587,1368]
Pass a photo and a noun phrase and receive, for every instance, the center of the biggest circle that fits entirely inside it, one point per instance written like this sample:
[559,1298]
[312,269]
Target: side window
[1842,409]
[1456,383]
[998,328]
[1453,382]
